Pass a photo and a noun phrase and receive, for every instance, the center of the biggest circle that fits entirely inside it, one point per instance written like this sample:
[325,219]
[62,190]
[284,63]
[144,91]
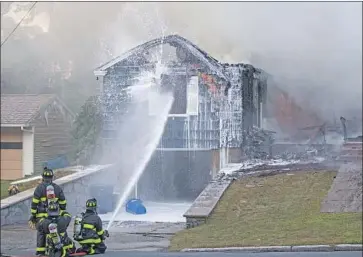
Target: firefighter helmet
[47,173]
[91,204]
[53,209]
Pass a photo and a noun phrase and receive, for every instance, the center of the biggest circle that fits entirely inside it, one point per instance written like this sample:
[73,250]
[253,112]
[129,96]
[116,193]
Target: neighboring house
[34,129]
[215,106]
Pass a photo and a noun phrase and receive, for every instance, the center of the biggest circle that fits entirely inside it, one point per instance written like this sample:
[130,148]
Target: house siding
[11,159]
[52,139]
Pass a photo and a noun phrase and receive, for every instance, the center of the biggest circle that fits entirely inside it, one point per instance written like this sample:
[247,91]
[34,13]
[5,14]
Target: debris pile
[257,143]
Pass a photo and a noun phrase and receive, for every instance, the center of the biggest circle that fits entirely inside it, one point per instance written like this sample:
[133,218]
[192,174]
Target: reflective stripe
[39,215]
[90,241]
[100,233]
[63,202]
[35,200]
[89,226]
[41,249]
[92,250]
[33,211]
[64,213]
[68,246]
[44,199]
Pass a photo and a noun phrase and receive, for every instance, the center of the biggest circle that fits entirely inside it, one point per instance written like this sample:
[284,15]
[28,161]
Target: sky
[313,49]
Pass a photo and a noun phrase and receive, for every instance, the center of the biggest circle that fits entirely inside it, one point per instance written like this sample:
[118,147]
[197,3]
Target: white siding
[28,152]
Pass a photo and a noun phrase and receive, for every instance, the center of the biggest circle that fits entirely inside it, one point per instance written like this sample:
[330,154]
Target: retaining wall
[76,187]
[205,203]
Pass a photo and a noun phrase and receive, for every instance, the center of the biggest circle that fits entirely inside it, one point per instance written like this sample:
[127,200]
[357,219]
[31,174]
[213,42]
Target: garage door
[11,160]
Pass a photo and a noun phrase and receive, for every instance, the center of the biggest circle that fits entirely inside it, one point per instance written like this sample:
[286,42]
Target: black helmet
[91,204]
[53,209]
[47,174]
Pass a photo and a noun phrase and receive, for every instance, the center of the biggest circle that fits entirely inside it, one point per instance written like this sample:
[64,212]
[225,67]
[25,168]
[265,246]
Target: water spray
[157,133]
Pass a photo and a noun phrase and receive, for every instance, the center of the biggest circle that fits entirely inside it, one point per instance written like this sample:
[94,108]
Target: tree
[86,130]
[92,119]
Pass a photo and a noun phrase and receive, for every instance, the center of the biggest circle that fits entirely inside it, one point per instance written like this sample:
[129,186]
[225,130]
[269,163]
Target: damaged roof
[213,64]
[21,109]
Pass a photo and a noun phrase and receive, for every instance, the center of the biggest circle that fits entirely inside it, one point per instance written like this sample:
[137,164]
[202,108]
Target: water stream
[148,136]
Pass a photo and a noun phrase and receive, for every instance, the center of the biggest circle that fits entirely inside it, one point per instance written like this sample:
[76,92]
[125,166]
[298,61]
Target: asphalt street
[219,254]
[139,240]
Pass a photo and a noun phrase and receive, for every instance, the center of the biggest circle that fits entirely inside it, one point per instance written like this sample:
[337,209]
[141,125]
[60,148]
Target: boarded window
[11,145]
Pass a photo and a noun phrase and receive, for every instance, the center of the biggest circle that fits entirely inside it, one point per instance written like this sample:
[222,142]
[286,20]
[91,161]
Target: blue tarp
[135,206]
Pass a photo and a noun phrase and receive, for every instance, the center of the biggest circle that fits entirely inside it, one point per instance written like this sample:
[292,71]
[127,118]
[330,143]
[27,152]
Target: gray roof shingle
[20,109]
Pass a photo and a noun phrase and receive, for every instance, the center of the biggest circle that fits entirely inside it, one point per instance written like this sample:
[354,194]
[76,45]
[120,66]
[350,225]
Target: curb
[297,248]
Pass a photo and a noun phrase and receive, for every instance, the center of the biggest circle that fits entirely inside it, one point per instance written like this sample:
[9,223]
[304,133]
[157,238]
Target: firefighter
[57,236]
[90,236]
[44,192]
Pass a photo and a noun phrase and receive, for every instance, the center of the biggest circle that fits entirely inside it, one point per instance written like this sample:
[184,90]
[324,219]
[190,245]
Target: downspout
[22,128]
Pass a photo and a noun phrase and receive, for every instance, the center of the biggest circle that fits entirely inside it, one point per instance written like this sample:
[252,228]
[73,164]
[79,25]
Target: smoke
[313,49]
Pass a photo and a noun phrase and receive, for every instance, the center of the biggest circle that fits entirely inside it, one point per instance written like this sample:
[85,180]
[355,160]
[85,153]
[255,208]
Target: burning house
[216,105]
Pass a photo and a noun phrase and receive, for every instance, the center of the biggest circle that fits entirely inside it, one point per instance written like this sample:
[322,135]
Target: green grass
[31,184]
[276,210]
[4,188]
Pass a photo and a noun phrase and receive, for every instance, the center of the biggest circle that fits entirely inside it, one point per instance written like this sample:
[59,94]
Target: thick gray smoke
[314,50]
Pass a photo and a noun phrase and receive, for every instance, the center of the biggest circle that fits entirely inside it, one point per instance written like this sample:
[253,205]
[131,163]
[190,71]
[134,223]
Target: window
[192,94]
[11,145]
[186,100]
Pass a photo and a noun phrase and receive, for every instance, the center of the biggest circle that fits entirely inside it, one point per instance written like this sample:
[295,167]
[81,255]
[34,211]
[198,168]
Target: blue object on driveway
[135,206]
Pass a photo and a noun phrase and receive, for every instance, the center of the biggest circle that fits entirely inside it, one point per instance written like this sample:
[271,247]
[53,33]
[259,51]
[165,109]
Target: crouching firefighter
[44,193]
[54,227]
[88,230]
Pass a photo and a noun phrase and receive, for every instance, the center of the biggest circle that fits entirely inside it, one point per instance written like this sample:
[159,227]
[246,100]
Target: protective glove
[32,222]
[105,233]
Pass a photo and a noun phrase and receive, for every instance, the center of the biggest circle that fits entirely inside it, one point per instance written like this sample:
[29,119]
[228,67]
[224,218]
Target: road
[132,239]
[166,254]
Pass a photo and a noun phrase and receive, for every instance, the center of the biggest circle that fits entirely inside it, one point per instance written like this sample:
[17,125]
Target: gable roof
[21,109]
[213,64]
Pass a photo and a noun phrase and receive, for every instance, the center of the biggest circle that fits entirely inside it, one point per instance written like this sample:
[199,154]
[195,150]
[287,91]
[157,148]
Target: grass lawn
[4,188]
[27,185]
[276,210]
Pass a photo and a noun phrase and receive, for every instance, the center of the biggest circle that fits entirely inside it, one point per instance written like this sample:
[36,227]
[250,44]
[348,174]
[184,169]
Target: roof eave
[99,72]
[14,125]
